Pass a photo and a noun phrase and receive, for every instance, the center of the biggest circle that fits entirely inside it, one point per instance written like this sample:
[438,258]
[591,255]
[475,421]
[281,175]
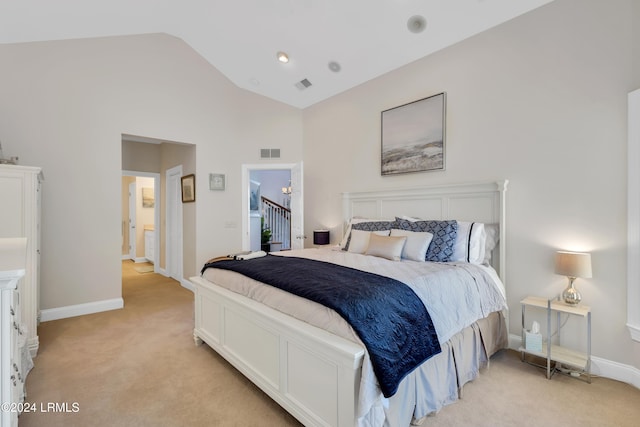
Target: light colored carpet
[139,367]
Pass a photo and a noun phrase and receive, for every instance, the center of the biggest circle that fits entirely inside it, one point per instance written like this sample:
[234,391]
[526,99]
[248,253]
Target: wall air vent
[269,153]
[303,84]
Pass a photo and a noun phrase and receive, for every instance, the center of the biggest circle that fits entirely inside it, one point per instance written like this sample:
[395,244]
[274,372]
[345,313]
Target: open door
[132,221]
[297,207]
[174,238]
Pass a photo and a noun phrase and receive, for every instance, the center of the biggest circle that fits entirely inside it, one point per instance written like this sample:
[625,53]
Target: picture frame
[188,188]
[217,182]
[413,136]
[148,197]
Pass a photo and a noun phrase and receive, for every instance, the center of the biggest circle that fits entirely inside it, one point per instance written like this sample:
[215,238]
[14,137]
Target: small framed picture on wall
[188,188]
[216,181]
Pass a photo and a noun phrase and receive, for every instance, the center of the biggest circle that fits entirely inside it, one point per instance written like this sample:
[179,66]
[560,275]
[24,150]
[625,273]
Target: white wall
[64,106]
[539,100]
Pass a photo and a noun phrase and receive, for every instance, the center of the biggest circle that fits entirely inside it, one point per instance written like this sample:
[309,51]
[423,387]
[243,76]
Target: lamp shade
[573,264]
[320,237]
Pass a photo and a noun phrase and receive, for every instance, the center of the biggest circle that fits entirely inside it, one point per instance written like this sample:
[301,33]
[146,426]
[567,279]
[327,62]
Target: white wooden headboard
[477,202]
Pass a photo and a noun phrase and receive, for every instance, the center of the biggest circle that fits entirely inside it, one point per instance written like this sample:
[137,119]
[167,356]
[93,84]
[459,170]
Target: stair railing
[278,219]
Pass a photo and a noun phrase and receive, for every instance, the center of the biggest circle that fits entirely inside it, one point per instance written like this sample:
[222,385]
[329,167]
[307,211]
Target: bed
[309,359]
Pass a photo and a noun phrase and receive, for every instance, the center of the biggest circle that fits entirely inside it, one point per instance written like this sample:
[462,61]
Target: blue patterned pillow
[444,237]
[371,226]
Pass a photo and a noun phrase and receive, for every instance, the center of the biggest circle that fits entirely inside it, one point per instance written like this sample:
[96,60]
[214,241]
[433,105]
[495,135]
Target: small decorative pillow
[386,246]
[369,226]
[444,237]
[417,244]
[359,241]
[374,225]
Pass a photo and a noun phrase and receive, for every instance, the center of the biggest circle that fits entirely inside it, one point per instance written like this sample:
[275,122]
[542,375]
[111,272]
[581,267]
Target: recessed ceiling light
[416,24]
[283,57]
[334,66]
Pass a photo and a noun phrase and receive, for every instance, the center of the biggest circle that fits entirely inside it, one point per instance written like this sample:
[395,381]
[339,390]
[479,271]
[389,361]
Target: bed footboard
[311,373]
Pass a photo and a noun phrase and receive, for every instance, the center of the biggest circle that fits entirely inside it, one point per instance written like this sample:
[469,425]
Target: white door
[174,224]
[132,221]
[633,215]
[297,207]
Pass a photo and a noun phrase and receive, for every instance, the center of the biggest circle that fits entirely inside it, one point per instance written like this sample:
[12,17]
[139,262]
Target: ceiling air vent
[303,84]
[269,153]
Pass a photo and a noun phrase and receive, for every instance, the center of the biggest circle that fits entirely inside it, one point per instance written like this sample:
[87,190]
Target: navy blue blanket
[386,314]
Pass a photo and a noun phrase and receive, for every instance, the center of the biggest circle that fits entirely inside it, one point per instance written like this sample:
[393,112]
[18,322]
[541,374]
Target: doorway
[251,218]
[167,160]
[141,217]
[270,210]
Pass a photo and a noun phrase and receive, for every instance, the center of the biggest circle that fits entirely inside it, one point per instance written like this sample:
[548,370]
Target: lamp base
[571,295]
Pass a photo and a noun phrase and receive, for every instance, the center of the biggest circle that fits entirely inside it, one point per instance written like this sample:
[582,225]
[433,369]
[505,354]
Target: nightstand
[579,362]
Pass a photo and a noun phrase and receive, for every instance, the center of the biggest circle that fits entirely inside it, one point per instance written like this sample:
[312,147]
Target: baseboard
[599,366]
[615,371]
[184,282]
[187,284]
[81,309]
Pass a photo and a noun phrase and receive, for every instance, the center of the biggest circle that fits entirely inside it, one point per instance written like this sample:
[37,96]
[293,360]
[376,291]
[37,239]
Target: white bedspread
[455,294]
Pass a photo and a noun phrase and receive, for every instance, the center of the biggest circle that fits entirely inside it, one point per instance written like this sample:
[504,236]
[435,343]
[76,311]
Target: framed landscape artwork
[413,136]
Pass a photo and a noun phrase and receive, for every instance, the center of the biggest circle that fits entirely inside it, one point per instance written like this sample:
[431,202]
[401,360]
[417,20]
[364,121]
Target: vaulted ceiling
[332,45]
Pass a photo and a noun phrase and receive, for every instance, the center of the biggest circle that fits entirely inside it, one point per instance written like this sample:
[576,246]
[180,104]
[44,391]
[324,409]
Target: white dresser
[13,258]
[20,196]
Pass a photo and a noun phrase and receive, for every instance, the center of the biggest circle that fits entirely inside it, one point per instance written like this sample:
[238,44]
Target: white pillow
[417,243]
[470,243]
[360,240]
[356,220]
[386,246]
[492,236]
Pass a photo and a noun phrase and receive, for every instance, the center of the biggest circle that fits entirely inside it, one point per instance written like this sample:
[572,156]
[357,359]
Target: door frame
[298,211]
